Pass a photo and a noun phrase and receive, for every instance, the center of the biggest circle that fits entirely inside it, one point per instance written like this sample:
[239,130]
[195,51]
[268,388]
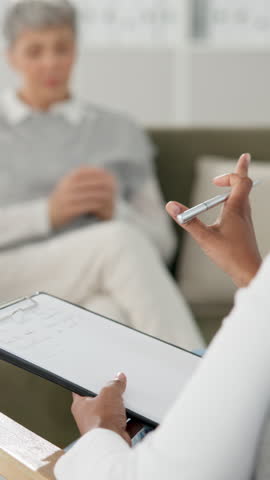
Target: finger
[90,197]
[242,165]
[119,384]
[127,438]
[86,208]
[241,187]
[241,170]
[200,232]
[89,172]
[92,187]
[84,204]
[103,179]
[76,397]
[222,180]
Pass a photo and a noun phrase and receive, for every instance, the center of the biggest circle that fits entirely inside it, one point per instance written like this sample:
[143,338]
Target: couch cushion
[201,281]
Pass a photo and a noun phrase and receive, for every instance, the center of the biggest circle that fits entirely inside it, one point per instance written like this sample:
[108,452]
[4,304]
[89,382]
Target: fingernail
[221,176]
[119,376]
[174,208]
[247,158]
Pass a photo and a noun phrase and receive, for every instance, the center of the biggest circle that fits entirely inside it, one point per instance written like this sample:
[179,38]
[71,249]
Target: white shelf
[240,24]
[144,23]
[208,48]
[159,24]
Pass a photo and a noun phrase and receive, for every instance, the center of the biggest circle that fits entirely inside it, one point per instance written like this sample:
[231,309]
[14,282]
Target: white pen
[188,215]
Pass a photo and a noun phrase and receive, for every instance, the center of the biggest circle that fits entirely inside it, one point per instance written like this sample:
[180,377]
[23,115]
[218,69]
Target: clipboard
[156,370]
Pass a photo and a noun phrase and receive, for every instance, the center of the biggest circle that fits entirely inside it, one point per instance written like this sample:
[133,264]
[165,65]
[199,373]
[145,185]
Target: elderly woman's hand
[85,191]
[106,411]
[231,241]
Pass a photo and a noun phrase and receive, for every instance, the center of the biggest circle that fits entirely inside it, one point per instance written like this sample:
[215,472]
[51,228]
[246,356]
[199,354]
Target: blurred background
[175,62]
[196,75]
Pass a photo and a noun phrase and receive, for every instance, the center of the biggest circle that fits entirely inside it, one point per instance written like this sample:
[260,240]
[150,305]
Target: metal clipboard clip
[30,305]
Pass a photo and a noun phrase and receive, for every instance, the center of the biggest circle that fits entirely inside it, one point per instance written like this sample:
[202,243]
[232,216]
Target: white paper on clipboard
[89,350]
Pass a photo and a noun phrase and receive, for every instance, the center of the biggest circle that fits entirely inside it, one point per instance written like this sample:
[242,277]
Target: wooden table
[24,455]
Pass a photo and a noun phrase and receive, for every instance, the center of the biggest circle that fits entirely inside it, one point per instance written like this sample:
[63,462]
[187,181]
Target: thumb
[76,397]
[119,384]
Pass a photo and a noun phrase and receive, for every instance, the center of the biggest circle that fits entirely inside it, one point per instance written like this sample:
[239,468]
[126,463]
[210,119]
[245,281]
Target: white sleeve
[146,210]
[24,222]
[212,432]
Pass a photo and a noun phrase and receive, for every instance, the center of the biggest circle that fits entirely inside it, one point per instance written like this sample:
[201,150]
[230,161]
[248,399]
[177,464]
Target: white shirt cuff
[88,456]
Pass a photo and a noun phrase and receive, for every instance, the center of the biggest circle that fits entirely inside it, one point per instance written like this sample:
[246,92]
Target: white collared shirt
[16,111]
[38,149]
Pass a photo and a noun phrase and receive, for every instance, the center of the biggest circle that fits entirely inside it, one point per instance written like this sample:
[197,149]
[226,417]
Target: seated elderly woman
[81,210]
[214,429]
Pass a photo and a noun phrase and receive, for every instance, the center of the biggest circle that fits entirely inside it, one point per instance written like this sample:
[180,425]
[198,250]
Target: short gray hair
[22,15]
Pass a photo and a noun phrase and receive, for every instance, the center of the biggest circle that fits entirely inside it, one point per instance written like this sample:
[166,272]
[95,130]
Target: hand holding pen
[230,242]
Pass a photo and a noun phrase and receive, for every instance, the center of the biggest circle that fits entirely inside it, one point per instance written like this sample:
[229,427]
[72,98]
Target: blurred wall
[140,82]
[164,87]
[230,88]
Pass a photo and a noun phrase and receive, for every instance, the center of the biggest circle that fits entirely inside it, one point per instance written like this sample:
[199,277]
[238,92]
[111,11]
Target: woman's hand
[231,241]
[107,410]
[86,191]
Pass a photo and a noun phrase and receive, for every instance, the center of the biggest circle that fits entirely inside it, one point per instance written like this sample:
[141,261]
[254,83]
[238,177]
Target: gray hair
[22,15]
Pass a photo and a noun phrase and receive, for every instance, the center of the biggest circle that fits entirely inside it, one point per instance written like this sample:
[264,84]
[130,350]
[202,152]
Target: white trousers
[110,268]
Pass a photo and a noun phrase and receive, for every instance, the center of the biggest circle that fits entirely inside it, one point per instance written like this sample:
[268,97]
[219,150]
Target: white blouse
[213,430]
